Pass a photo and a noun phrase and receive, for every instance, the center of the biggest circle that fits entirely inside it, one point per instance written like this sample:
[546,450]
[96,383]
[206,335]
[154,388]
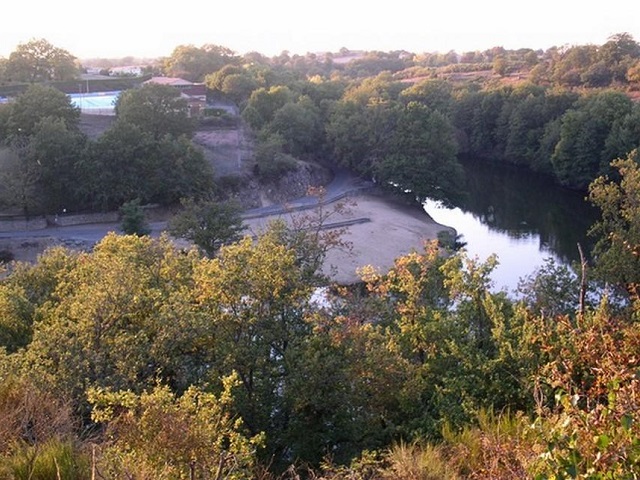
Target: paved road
[343,184]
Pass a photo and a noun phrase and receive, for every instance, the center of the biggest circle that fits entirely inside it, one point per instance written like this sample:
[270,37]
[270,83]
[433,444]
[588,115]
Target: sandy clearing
[388,230]
[393,229]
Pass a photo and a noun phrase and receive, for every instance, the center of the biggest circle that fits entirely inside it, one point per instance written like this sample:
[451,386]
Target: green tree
[20,177]
[133,220]
[271,161]
[435,94]
[633,74]
[551,290]
[57,151]
[569,66]
[114,319]
[194,63]
[127,162]
[299,126]
[617,251]
[579,156]
[500,66]
[16,318]
[39,61]
[156,109]
[619,53]
[121,167]
[255,296]
[208,224]
[236,82]
[424,155]
[359,134]
[264,103]
[624,135]
[37,103]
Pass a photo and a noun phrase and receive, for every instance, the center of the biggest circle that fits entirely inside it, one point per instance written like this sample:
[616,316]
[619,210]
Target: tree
[164,435]
[40,61]
[619,53]
[234,81]
[435,94]
[264,103]
[500,65]
[550,291]
[624,135]
[359,134]
[133,221]
[579,156]
[299,126]
[56,152]
[208,224]
[617,251]
[238,87]
[122,166]
[633,74]
[156,109]
[113,318]
[195,63]
[35,104]
[424,155]
[127,162]
[19,177]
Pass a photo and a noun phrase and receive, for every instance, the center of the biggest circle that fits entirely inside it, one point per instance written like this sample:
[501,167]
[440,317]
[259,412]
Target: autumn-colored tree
[160,435]
[590,420]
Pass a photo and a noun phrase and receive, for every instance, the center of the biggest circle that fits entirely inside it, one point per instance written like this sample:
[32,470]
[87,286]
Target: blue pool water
[99,103]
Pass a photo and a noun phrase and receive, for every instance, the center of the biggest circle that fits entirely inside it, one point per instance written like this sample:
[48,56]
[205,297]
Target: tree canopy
[39,61]
[156,109]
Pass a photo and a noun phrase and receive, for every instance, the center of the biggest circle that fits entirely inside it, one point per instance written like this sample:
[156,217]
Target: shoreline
[378,226]
[380,229]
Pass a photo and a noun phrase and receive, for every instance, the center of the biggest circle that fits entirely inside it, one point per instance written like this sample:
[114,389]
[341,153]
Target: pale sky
[146,28]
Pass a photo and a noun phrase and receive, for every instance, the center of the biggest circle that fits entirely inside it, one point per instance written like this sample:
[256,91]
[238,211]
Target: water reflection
[520,216]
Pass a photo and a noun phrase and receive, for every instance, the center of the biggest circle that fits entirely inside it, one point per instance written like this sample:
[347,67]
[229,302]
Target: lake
[521,216]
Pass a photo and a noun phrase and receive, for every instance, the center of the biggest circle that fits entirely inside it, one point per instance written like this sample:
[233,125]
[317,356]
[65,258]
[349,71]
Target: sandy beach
[378,228]
[383,230]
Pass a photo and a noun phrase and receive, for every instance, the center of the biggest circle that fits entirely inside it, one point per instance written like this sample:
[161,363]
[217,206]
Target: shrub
[6,256]
[133,221]
[53,460]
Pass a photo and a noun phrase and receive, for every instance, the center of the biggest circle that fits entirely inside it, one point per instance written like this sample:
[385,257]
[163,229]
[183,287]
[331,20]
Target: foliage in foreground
[184,365]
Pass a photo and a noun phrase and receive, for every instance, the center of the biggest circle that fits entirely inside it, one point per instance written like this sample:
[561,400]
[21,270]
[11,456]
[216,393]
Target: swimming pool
[99,103]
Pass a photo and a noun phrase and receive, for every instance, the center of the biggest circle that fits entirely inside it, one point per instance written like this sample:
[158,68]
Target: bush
[133,221]
[6,256]
[278,165]
[53,460]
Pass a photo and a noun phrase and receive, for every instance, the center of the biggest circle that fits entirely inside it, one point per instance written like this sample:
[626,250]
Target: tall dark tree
[422,156]
[579,156]
[156,109]
[37,103]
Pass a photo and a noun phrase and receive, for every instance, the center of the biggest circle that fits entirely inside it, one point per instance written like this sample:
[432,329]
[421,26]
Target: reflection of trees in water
[519,203]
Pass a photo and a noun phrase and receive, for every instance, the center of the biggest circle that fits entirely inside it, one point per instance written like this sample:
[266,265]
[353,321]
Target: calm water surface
[520,216]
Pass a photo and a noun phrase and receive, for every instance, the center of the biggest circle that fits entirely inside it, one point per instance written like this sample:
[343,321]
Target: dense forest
[400,118]
[139,360]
